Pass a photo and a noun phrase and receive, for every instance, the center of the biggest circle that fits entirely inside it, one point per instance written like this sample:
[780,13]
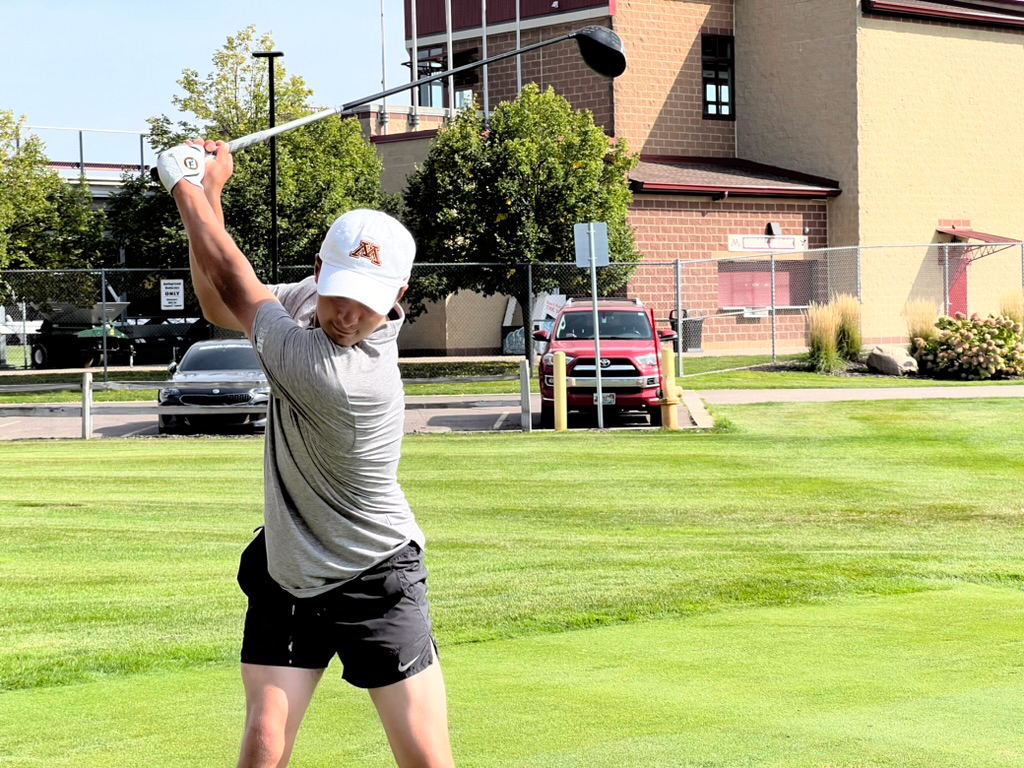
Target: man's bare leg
[276,699]
[415,717]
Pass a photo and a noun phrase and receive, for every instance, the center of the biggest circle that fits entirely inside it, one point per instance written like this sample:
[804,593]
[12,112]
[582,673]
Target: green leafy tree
[324,169]
[508,191]
[44,221]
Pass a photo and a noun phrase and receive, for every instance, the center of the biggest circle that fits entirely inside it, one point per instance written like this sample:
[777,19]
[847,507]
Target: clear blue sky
[110,64]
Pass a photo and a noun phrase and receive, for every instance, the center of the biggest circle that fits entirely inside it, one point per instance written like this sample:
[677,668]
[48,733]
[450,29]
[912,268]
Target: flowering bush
[972,348]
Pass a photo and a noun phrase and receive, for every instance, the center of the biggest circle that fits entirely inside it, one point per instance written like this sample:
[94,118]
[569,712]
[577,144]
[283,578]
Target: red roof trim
[966,15]
[970,234]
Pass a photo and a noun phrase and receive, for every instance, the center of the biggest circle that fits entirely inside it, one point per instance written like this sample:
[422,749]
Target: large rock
[891,360]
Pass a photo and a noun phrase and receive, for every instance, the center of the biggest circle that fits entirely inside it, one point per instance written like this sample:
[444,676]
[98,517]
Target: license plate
[607,398]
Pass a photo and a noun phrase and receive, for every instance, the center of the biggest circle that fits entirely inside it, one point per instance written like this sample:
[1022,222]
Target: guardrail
[88,407]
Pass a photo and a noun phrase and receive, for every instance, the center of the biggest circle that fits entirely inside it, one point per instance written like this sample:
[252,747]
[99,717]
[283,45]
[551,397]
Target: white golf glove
[182,162]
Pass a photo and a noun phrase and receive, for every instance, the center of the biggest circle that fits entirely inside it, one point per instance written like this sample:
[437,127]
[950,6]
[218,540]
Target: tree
[324,169]
[508,191]
[44,221]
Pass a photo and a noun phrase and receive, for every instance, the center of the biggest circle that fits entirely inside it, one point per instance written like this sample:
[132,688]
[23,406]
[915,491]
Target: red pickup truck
[630,358]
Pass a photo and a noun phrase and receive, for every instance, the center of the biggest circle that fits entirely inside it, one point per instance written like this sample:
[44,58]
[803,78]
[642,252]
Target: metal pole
[103,309]
[1022,267]
[383,114]
[679,318]
[86,405]
[597,333]
[414,72]
[945,277]
[451,57]
[483,24]
[860,297]
[774,327]
[274,249]
[142,153]
[519,59]
[525,405]
[26,348]
[81,152]
[528,315]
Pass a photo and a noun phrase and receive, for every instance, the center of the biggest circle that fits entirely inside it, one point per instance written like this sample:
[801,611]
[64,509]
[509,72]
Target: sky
[110,64]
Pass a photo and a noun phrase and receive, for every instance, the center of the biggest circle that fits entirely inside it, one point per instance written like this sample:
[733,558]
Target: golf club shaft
[265,135]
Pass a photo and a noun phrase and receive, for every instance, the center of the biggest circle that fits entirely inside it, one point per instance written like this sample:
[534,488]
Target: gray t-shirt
[332,503]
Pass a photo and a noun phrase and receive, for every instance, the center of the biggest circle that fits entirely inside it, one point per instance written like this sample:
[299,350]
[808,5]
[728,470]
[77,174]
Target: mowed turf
[820,585]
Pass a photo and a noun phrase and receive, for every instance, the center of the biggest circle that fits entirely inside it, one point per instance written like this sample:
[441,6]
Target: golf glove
[182,162]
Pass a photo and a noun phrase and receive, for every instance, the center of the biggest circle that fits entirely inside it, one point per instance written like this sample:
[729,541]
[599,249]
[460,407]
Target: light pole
[270,56]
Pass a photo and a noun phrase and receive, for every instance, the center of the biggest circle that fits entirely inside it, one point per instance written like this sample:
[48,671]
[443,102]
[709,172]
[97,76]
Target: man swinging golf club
[338,567]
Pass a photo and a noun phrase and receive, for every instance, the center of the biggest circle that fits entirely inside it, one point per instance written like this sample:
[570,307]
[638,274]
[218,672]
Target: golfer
[338,566]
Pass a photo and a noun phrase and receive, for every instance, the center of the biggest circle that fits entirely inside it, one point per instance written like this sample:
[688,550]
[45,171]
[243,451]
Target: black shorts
[377,623]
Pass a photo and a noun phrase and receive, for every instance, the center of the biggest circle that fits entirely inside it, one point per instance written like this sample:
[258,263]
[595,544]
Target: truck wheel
[654,411]
[40,356]
[547,416]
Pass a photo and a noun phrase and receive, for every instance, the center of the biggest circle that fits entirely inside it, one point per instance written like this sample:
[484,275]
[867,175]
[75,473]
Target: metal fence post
[103,309]
[528,317]
[525,405]
[774,328]
[26,348]
[679,318]
[945,278]
[81,152]
[142,154]
[86,405]
[1022,266]
[857,268]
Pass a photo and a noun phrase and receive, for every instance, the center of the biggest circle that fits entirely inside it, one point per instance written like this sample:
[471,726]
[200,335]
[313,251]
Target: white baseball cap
[367,256]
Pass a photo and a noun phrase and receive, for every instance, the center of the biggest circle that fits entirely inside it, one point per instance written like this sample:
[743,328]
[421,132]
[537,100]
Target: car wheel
[547,416]
[654,411]
[165,426]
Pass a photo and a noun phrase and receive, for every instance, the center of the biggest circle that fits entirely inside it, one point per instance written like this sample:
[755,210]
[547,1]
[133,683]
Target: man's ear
[316,270]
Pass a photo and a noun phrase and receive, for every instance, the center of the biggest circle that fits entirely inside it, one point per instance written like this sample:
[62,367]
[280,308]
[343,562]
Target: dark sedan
[223,378]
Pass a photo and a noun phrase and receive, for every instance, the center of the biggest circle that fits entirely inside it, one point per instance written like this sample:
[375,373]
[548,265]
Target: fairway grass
[915,681]
[819,584]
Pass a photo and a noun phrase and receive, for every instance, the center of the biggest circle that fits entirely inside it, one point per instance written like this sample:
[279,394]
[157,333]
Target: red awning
[972,234]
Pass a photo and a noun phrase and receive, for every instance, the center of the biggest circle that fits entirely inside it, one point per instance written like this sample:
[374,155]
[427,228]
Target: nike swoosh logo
[403,667]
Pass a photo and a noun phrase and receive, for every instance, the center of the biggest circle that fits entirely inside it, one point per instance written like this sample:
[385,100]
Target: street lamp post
[270,56]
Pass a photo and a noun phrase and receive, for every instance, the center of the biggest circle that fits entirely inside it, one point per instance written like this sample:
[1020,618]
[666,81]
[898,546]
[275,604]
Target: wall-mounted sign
[775,243]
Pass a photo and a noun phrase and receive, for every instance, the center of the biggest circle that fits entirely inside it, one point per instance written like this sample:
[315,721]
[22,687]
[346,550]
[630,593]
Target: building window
[718,68]
[431,61]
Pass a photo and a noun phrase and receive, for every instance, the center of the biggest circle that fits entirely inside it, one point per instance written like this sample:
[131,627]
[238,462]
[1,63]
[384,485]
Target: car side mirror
[667,335]
[541,335]
[172,367]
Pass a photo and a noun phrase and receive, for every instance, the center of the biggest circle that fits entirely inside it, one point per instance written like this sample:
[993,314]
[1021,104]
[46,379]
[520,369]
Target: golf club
[602,50]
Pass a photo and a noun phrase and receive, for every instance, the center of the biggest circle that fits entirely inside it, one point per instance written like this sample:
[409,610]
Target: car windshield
[220,358]
[616,324]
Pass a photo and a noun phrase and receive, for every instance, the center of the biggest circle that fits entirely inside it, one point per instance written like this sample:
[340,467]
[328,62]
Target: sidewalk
[749,396]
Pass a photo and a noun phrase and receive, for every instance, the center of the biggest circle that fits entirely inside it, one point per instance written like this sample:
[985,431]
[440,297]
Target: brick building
[825,123]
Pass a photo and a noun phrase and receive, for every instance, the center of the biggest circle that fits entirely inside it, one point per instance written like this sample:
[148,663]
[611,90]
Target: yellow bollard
[561,409]
[671,393]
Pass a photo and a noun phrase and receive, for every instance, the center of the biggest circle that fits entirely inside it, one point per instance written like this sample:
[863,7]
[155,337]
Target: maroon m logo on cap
[368,251]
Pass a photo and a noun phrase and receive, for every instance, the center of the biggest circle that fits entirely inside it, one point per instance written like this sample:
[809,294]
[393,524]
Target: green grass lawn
[818,585]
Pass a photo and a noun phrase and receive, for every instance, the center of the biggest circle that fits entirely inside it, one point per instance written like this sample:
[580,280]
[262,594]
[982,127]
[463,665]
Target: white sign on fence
[767,243]
[172,294]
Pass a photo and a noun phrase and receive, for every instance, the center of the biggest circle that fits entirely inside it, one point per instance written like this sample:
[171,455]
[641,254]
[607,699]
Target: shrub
[848,338]
[823,328]
[921,315]
[972,348]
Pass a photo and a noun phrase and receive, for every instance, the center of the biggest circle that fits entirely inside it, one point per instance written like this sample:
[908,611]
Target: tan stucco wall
[939,139]
[400,159]
[796,92]
[940,129]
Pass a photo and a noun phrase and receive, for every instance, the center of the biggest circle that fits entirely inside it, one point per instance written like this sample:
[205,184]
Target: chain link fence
[741,305]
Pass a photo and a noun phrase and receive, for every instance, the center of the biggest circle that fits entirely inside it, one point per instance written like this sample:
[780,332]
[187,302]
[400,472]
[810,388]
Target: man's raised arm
[223,278]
